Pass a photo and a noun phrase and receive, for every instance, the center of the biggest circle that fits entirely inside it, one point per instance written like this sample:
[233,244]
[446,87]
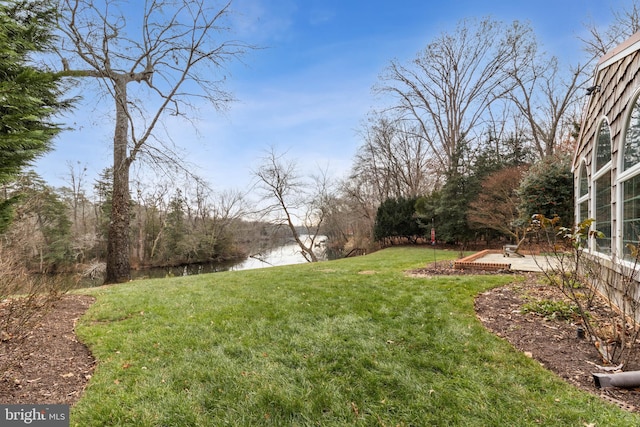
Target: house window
[630,181]
[632,138]
[630,214]
[603,212]
[602,188]
[603,150]
[583,194]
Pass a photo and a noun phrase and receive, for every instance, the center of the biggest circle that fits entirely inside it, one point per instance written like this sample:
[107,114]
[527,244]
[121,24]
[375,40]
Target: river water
[281,255]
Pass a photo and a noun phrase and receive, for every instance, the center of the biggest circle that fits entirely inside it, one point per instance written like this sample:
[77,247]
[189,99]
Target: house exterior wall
[617,78]
[618,82]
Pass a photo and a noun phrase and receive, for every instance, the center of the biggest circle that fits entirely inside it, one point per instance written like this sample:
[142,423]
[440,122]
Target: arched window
[602,187]
[630,181]
[632,138]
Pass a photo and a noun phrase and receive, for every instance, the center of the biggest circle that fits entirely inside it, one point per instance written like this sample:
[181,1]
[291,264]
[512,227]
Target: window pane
[603,213]
[583,184]
[603,153]
[632,138]
[584,211]
[631,214]
[583,215]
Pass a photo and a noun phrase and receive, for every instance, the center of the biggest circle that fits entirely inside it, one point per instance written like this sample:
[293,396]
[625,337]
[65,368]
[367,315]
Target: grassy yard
[348,342]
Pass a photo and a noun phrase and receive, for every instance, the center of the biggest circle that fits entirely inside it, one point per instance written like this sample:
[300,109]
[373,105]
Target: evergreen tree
[461,187]
[176,231]
[47,218]
[455,197]
[547,189]
[29,94]
[426,207]
[496,153]
[103,188]
[396,218]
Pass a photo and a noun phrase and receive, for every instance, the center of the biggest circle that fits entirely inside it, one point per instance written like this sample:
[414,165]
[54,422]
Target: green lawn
[348,342]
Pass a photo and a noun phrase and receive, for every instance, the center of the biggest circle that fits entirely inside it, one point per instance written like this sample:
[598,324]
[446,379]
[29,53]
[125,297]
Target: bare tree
[447,89]
[150,214]
[626,22]
[395,160]
[293,200]
[361,199]
[78,198]
[213,218]
[227,211]
[176,59]
[84,236]
[544,94]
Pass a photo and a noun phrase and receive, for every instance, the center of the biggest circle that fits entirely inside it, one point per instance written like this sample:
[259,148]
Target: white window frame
[624,176]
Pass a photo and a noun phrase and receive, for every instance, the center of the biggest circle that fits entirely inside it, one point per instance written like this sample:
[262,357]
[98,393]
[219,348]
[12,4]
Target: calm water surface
[281,255]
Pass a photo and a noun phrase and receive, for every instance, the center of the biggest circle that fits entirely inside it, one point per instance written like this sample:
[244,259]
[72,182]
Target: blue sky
[308,91]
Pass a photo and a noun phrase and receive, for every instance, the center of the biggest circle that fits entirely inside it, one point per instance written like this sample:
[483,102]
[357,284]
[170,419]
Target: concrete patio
[495,260]
[526,263]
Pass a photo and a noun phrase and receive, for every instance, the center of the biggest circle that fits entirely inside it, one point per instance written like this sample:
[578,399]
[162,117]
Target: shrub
[552,309]
[24,296]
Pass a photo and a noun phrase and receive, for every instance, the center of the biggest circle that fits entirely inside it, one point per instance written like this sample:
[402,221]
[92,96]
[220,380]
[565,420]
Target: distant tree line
[496,207]
[65,229]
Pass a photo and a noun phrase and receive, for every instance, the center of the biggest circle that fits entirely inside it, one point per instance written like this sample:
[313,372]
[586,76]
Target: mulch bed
[553,343]
[49,365]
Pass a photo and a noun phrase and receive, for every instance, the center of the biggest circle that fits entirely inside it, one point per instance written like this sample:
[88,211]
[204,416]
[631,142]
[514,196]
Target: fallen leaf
[69,375]
[355,409]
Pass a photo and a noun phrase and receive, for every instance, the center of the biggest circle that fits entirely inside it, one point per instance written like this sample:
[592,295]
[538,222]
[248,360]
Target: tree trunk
[118,247]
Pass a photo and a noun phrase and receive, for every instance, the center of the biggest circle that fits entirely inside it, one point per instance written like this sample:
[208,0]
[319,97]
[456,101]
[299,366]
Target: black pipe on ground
[629,379]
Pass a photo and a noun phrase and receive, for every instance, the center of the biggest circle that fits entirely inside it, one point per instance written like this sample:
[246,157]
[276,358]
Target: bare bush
[582,275]
[24,296]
